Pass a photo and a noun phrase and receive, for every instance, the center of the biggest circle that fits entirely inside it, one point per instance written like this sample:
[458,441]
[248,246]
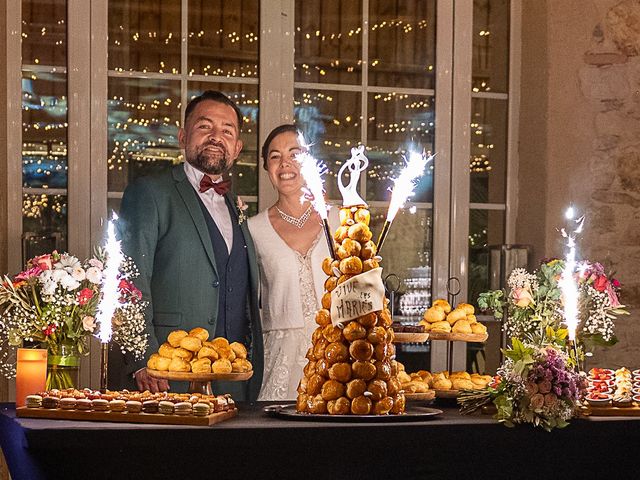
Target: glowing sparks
[403,185]
[567,282]
[110,292]
[312,171]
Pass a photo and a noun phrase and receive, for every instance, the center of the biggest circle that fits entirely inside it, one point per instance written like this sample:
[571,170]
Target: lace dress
[291,285]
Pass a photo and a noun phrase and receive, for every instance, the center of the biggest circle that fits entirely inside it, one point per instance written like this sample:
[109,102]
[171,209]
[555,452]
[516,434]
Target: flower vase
[63,367]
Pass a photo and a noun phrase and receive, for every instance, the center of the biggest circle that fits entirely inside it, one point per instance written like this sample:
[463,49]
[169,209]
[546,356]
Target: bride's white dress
[291,286]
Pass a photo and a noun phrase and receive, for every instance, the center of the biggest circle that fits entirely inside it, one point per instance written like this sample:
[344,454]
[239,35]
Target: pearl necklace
[296,222]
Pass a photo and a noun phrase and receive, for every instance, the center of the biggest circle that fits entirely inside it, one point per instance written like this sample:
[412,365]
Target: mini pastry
[309,369]
[239,349]
[117,405]
[376,335]
[83,404]
[326,300]
[349,248]
[226,352]
[442,383]
[222,365]
[384,351]
[342,279]
[100,405]
[341,233]
[330,284]
[354,331]
[462,383]
[331,390]
[201,409]
[384,318]
[467,308]
[319,347]
[68,403]
[361,405]
[150,406]
[383,406]
[340,406]
[179,365]
[317,405]
[365,370]
[361,350]
[323,317]
[443,304]
[166,350]
[369,320]
[183,408]
[241,365]
[359,232]
[33,401]
[404,377]
[362,215]
[219,342]
[368,250]
[322,367]
[314,385]
[202,365]
[175,337]
[370,264]
[399,403]
[455,315]
[200,333]
[355,388]
[208,352]
[50,402]
[378,389]
[301,402]
[326,266]
[462,326]
[152,363]
[193,344]
[434,314]
[478,328]
[471,319]
[182,353]
[441,327]
[351,266]
[165,407]
[340,372]
[393,386]
[162,363]
[383,370]
[332,333]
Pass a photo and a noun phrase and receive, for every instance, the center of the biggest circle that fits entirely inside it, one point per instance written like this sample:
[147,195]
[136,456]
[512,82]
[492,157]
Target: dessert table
[254,445]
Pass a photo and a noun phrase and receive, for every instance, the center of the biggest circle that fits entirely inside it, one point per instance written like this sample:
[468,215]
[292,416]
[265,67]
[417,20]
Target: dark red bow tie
[221,187]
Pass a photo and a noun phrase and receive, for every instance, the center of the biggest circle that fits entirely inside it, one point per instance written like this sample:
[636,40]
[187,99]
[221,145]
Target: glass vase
[63,367]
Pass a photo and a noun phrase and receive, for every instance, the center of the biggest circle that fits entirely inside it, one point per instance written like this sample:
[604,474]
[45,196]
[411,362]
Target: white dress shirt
[214,202]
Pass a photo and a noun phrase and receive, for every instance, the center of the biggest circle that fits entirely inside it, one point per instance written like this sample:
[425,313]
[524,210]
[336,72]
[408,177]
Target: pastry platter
[410,337]
[458,337]
[155,418]
[421,397]
[447,393]
[412,414]
[591,411]
[200,382]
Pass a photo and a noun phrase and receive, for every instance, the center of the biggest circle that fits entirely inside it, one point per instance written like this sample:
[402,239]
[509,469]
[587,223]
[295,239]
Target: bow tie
[221,187]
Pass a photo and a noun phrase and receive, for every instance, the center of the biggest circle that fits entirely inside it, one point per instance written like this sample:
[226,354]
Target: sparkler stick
[403,188]
[567,282]
[312,171]
[110,296]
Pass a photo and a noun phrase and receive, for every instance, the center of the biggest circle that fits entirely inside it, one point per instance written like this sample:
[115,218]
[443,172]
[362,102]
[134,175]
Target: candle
[31,373]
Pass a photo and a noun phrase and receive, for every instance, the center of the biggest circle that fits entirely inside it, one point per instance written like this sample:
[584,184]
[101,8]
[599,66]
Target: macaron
[100,405]
[68,403]
[50,402]
[33,401]
[134,406]
[83,404]
[150,406]
[117,405]
[165,407]
[201,409]
[183,408]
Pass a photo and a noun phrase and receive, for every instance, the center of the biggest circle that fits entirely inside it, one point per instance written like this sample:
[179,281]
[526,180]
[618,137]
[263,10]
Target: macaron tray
[613,393]
[132,407]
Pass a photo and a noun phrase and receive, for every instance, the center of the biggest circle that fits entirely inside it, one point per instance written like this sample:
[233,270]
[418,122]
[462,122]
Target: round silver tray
[412,414]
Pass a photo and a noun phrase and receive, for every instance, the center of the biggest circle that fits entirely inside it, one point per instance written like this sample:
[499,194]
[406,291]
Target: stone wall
[591,147]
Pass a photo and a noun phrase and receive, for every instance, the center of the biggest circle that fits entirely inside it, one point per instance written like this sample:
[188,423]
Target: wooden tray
[447,393]
[409,337]
[459,337]
[424,397]
[590,411]
[157,418]
[200,377]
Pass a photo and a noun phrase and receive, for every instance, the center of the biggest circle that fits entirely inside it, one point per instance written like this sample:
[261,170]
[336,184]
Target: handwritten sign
[357,296]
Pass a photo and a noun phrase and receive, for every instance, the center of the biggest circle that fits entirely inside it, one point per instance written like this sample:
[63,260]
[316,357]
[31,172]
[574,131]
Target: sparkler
[110,297]
[567,282]
[312,171]
[403,188]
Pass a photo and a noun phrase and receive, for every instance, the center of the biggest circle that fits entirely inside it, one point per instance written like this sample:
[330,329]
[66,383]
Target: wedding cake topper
[356,164]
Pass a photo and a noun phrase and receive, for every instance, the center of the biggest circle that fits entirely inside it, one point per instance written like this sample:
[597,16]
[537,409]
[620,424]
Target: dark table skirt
[254,445]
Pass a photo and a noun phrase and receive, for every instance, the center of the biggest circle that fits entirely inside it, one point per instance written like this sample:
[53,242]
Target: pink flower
[522,297]
[27,274]
[537,401]
[544,386]
[550,399]
[613,296]
[601,283]
[43,261]
[615,283]
[49,329]
[89,323]
[84,296]
[532,388]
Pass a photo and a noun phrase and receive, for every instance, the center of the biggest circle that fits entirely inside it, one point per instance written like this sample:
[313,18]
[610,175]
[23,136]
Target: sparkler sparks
[567,282]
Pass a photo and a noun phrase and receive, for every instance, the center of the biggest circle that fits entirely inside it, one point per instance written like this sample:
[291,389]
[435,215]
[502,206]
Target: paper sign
[357,296]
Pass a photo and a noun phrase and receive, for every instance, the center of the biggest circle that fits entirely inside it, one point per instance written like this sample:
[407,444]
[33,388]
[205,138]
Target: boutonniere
[242,207]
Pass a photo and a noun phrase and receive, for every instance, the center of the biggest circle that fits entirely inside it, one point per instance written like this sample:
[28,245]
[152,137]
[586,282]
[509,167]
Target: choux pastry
[383,369]
[239,349]
[200,333]
[316,405]
[166,350]
[441,327]
[175,337]
[384,318]
[226,352]
[162,364]
[182,353]
[364,370]
[314,385]
[318,348]
[332,333]
[327,268]
[346,215]
[153,361]
[361,350]
[362,215]
[341,233]
[351,247]
[471,319]
[193,344]
[443,304]
[455,315]
[355,388]
[219,342]
[340,372]
[336,352]
[383,406]
[434,314]
[399,404]
[241,365]
[222,365]
[359,232]
[354,331]
[332,390]
[462,383]
[478,328]
[462,326]
[351,266]
[368,250]
[322,367]
[370,264]
[369,320]
[326,300]
[208,352]
[179,365]
[339,406]
[202,365]
[344,278]
[361,405]
[467,308]
[330,284]
[309,369]
[376,335]
[378,389]
[323,317]
[301,402]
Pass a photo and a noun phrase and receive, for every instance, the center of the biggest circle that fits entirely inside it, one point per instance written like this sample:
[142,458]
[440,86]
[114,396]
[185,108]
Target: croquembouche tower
[351,368]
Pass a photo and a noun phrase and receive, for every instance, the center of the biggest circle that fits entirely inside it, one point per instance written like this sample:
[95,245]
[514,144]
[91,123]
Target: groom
[195,254]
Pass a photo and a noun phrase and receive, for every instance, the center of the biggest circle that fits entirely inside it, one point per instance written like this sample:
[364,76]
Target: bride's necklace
[296,222]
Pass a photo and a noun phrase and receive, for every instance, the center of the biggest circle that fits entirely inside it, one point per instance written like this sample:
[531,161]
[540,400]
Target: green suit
[163,229]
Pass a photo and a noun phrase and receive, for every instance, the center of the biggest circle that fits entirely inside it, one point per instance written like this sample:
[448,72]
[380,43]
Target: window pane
[490,46]
[402,43]
[397,122]
[486,227]
[44,32]
[44,224]
[407,253]
[244,173]
[328,41]
[331,123]
[488,162]
[223,38]
[144,36]
[144,116]
[44,129]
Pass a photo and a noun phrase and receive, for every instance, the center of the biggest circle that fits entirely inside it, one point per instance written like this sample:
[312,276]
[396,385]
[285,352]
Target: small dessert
[134,406]
[33,401]
[150,406]
[117,405]
[165,407]
[100,405]
[201,409]
[67,403]
[183,408]
[50,402]
[599,399]
[83,404]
